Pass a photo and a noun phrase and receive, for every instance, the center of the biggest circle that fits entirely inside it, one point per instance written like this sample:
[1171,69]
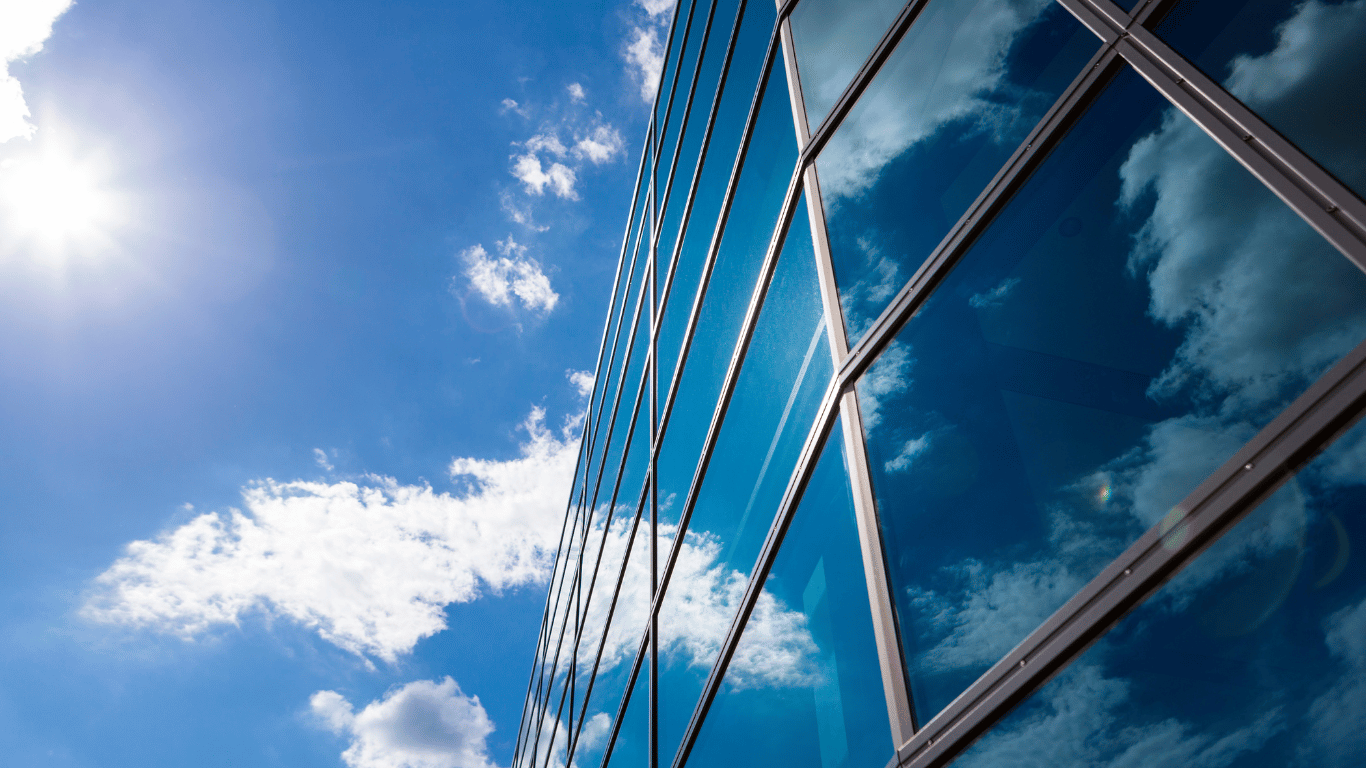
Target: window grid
[1313,420]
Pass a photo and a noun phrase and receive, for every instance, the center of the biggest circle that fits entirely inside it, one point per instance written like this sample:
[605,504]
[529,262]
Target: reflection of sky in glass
[1139,309]
[832,39]
[1260,662]
[1300,65]
[827,710]
[750,47]
[785,373]
[959,93]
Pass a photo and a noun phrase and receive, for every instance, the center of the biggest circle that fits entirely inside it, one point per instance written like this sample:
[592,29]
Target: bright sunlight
[53,205]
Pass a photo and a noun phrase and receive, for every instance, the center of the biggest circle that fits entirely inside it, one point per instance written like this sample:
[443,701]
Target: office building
[978,388]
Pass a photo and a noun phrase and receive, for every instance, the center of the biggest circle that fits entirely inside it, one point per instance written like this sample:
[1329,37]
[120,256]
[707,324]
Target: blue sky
[292,301]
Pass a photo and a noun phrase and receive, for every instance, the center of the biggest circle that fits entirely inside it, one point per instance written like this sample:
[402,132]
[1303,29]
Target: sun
[55,204]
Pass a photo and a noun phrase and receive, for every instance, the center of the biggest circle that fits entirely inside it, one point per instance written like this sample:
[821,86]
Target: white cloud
[582,381]
[995,296]
[600,145]
[887,376]
[645,52]
[558,177]
[424,724]
[1076,720]
[910,450]
[518,213]
[1337,718]
[576,93]
[511,105]
[24,26]
[320,456]
[369,567]
[511,275]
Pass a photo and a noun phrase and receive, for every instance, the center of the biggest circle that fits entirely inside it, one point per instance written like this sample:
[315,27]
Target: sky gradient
[297,305]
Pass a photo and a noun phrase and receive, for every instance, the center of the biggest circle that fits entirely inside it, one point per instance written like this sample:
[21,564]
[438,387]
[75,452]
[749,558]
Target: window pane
[785,374]
[669,133]
[633,741]
[805,687]
[746,64]
[832,39]
[1254,655]
[759,196]
[1138,311]
[958,95]
[1300,65]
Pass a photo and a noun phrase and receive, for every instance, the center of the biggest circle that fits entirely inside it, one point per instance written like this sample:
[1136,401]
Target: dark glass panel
[1253,656]
[963,88]
[804,688]
[832,39]
[785,374]
[746,65]
[1300,65]
[767,169]
[1137,311]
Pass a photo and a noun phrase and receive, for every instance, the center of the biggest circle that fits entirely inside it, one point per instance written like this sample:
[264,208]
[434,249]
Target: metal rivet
[1332,209]
[1247,466]
[1247,137]
[1180,80]
[1128,571]
[1022,663]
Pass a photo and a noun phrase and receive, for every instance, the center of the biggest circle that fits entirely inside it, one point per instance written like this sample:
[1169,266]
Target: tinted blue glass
[699,28]
[671,56]
[1300,65]
[832,39]
[631,749]
[768,166]
[634,374]
[746,66]
[1254,655]
[1136,312]
[708,80]
[785,374]
[961,91]
[804,687]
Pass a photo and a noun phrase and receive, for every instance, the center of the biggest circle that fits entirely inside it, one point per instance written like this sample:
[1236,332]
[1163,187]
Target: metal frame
[1317,417]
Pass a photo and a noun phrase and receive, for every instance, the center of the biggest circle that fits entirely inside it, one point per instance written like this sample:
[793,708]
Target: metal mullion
[1013,174]
[651,376]
[1309,424]
[657,138]
[801,475]
[886,634]
[701,161]
[683,124]
[673,86]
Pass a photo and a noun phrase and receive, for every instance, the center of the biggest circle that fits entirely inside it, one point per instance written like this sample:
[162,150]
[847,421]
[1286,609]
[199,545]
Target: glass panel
[804,687]
[1300,65]
[632,747]
[1254,655]
[635,371]
[708,80]
[623,636]
[785,374]
[670,132]
[832,39]
[957,96]
[1137,312]
[746,65]
[661,103]
[768,166]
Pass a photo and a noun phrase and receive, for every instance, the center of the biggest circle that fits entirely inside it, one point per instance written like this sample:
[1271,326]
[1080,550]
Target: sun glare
[55,203]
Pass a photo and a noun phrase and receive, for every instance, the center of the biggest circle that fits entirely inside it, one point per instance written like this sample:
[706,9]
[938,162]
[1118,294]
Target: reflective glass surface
[708,78]
[680,9]
[1134,314]
[698,29]
[746,65]
[785,374]
[804,687]
[767,169]
[832,39]
[631,749]
[1300,65]
[961,91]
[1254,655]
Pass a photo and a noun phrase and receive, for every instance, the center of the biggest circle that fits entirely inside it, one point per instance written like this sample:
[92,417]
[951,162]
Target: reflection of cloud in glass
[947,75]
[1081,720]
[887,376]
[1337,719]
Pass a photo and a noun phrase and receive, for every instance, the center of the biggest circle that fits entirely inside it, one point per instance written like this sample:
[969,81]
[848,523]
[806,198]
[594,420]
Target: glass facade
[979,388]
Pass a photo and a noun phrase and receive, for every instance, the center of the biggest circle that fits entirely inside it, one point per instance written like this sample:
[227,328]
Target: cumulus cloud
[940,80]
[24,27]
[424,724]
[582,381]
[370,566]
[1080,719]
[599,145]
[644,52]
[535,178]
[576,92]
[512,275]
[511,105]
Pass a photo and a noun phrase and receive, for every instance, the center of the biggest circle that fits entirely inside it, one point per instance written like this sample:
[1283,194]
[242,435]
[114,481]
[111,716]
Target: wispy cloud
[370,566]
[576,92]
[644,52]
[424,724]
[508,277]
[24,27]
